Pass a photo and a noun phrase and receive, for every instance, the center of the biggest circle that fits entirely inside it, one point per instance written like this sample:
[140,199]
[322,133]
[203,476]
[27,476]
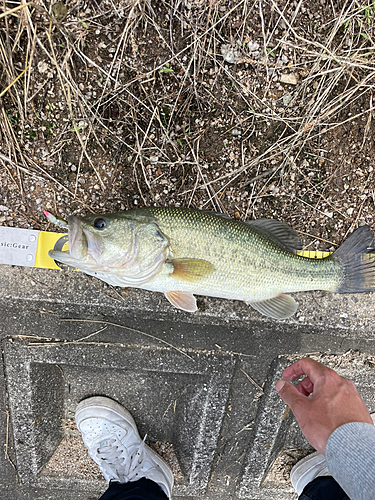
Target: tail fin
[357,258]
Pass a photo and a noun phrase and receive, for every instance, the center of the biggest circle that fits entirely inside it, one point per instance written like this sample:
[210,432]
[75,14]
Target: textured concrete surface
[200,386]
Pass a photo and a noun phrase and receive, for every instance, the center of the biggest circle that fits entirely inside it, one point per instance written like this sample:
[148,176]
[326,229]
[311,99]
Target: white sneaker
[307,469]
[111,436]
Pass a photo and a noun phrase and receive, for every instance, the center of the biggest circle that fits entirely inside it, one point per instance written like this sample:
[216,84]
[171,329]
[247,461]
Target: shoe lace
[126,465]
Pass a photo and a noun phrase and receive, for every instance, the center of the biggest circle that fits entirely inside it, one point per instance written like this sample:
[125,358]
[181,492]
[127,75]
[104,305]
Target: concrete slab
[268,438]
[215,413]
[173,397]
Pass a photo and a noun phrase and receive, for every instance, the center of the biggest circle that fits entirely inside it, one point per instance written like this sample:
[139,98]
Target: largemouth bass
[183,252]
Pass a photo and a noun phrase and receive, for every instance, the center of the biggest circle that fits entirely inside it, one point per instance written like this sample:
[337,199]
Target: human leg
[143,489]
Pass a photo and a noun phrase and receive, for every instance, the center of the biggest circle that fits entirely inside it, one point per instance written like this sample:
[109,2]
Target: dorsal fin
[281,234]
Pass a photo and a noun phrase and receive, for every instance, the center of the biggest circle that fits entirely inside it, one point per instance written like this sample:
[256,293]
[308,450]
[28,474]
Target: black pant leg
[323,488]
[143,489]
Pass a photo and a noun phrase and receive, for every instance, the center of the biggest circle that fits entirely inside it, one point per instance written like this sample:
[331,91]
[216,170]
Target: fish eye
[100,223]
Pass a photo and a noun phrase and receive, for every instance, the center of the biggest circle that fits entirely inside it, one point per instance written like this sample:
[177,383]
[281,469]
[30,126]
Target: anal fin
[280,307]
[182,300]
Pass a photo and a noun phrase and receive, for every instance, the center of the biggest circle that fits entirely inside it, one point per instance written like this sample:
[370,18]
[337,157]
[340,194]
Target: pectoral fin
[182,300]
[190,269]
[279,307]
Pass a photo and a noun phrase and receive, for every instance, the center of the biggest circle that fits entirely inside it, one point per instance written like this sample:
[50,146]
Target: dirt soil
[260,109]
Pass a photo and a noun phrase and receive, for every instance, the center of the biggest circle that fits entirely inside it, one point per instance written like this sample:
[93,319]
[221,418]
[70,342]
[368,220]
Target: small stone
[289,79]
[286,99]
[230,54]
[42,66]
[236,132]
[59,10]
[253,46]
[283,60]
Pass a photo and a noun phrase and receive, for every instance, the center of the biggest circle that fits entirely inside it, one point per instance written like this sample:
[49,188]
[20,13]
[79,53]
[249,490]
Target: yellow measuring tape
[46,242]
[313,254]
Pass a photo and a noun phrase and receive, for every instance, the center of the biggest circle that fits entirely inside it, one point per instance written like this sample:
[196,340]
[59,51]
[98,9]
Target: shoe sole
[107,403]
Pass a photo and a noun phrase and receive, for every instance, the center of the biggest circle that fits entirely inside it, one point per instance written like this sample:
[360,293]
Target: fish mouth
[84,246]
[75,239]
[78,246]
[93,244]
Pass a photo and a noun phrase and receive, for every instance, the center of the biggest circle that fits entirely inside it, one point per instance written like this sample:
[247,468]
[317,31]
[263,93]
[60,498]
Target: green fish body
[186,252]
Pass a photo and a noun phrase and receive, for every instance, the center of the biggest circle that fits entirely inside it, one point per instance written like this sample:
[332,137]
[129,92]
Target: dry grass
[128,102]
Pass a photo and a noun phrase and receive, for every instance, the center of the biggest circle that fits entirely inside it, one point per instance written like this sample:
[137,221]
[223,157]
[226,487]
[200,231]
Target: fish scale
[247,265]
